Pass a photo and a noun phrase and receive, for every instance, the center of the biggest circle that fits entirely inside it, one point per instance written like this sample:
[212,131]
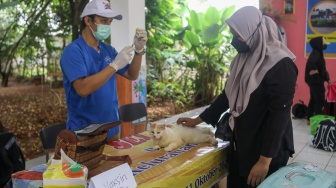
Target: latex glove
[140,40]
[122,59]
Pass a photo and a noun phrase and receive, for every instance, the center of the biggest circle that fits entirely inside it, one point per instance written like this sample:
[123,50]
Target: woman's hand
[259,171]
[312,72]
[189,122]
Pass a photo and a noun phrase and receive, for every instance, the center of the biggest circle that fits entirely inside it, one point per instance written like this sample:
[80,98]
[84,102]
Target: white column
[122,34]
[122,31]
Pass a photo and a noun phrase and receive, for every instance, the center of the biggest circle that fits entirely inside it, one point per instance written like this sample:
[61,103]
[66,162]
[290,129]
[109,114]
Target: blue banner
[321,21]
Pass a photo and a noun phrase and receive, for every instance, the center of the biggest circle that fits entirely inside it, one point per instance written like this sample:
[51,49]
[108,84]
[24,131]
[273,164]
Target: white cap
[100,8]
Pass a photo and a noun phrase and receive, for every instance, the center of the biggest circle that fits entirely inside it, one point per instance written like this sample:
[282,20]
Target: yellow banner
[190,166]
[330,38]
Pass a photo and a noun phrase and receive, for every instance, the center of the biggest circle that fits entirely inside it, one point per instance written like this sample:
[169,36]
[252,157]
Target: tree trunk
[5,79]
[77,7]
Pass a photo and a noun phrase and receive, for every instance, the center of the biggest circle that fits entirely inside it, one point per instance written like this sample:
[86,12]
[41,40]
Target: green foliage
[167,91]
[323,23]
[34,35]
[206,39]
[163,24]
[195,56]
[4,5]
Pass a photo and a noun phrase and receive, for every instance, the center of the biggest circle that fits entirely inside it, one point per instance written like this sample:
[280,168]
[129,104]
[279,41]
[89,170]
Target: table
[192,165]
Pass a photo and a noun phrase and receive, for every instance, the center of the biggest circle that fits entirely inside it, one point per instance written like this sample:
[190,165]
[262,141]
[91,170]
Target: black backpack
[11,158]
[299,110]
[325,136]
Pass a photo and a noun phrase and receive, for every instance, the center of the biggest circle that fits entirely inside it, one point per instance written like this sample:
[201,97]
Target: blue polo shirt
[79,60]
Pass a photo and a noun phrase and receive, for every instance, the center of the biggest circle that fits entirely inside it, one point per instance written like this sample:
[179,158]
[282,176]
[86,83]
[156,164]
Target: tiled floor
[304,153]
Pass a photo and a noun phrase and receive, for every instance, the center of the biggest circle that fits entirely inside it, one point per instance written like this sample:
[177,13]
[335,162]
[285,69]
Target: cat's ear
[152,125]
[163,126]
[169,125]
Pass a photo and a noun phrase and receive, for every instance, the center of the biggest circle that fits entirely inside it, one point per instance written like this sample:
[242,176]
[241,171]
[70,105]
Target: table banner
[190,166]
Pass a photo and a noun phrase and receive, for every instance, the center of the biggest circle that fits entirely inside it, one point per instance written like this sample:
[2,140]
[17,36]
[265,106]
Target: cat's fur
[171,137]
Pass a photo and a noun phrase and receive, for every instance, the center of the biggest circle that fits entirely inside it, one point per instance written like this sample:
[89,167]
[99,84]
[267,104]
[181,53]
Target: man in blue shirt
[90,66]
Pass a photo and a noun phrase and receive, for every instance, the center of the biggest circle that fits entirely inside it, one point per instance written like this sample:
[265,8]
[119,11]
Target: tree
[30,31]
[165,58]
[76,7]
[207,39]
[9,42]
[163,21]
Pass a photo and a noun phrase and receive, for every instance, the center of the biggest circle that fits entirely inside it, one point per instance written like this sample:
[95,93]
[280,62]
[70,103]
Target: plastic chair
[48,137]
[132,112]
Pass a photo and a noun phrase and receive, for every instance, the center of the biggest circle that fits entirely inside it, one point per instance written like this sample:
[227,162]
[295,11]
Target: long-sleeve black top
[265,127]
[316,62]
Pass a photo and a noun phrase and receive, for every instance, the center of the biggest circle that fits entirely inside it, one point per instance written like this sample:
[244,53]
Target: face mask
[239,45]
[103,32]
[324,47]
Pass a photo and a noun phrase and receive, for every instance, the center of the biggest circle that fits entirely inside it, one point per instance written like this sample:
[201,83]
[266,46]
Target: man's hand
[140,40]
[122,59]
[259,171]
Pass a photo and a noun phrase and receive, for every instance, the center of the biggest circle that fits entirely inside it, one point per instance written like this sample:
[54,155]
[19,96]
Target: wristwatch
[140,52]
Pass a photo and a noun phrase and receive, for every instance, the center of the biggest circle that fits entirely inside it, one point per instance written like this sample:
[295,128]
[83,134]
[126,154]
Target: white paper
[118,177]
[311,167]
[65,158]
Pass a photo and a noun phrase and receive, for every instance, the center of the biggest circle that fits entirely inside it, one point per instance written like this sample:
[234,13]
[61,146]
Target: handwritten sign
[118,177]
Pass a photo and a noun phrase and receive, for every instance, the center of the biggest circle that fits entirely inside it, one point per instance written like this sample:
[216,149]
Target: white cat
[171,137]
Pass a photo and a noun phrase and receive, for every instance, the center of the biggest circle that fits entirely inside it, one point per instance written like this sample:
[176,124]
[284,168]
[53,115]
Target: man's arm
[132,72]
[87,85]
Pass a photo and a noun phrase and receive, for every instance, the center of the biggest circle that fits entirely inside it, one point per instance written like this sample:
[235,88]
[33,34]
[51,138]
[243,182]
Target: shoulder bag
[223,130]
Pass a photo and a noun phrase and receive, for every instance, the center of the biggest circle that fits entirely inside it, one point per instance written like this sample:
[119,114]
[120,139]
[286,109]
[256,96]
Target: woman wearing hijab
[259,93]
[315,76]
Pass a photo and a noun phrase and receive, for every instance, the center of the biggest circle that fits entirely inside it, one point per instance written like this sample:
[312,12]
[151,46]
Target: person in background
[89,68]
[259,93]
[315,76]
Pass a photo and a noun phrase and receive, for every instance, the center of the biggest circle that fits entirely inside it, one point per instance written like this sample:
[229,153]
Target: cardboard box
[315,120]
